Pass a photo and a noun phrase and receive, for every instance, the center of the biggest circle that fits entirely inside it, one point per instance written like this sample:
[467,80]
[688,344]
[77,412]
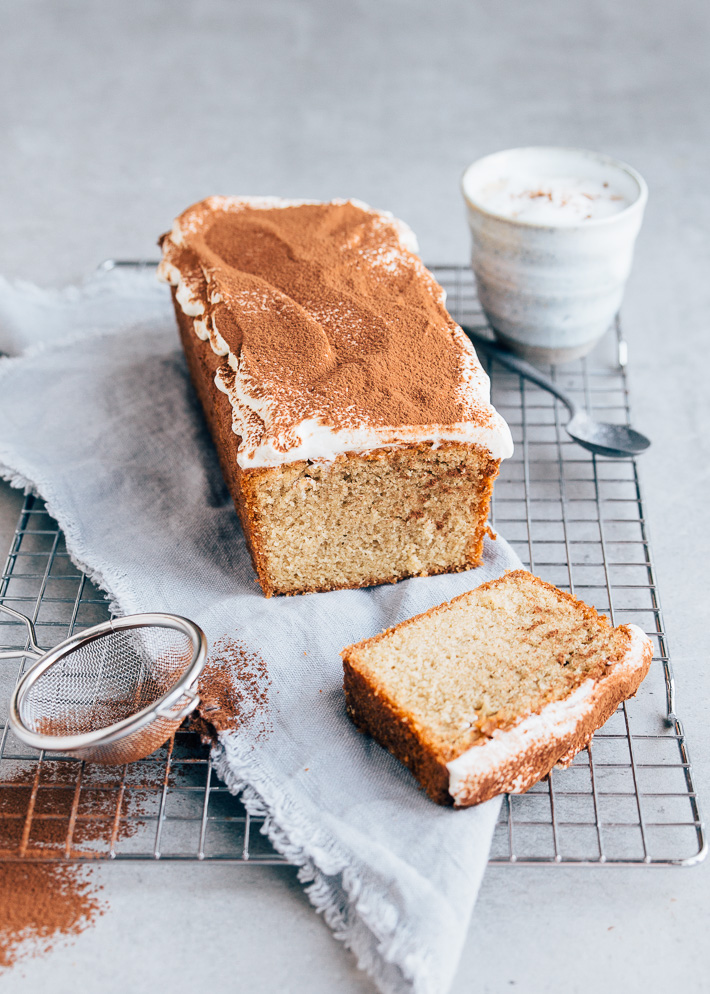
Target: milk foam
[551,200]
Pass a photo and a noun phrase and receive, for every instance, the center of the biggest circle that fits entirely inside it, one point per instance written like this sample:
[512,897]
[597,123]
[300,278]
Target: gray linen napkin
[98,417]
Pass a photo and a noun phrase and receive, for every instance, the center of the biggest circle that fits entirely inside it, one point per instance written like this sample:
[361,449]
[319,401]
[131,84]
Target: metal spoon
[604,439]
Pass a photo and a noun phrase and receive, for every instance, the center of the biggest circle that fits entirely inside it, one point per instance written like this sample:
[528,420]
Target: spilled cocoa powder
[234,691]
[42,904]
[47,813]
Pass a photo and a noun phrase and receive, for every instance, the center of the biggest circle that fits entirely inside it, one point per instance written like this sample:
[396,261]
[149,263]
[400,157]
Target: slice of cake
[349,411]
[485,694]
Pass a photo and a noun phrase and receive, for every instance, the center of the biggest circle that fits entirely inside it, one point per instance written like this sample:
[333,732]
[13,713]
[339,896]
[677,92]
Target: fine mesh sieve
[111,694]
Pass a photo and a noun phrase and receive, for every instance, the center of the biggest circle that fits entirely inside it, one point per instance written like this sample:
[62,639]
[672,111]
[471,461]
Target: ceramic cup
[553,234]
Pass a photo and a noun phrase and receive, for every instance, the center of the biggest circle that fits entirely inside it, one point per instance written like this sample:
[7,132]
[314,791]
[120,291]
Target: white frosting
[262,446]
[556,721]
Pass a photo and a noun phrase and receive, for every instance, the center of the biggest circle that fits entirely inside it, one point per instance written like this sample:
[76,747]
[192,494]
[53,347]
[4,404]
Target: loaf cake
[485,694]
[349,411]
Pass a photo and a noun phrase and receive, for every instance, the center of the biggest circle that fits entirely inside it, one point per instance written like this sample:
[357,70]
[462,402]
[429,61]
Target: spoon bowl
[615,441]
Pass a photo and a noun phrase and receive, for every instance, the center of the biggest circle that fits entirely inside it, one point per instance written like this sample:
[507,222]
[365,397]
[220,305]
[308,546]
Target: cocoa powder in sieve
[43,904]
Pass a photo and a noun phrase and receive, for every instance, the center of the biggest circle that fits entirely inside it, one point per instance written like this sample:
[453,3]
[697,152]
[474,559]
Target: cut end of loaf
[369,518]
[485,694]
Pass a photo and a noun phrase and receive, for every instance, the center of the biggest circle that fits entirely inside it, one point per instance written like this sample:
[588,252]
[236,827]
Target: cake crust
[374,714]
[203,364]
[519,760]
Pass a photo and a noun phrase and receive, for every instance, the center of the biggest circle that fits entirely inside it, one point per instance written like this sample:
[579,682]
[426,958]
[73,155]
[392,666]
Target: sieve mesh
[106,679]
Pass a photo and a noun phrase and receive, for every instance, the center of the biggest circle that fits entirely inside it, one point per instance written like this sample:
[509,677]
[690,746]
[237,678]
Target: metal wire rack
[575,519]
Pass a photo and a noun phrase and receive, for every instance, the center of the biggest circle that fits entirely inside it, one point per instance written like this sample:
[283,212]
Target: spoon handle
[519,366]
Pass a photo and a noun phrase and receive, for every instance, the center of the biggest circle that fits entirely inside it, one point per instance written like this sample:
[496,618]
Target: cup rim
[638,204]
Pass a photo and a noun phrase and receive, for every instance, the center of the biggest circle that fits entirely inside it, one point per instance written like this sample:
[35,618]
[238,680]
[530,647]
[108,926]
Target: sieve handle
[193,701]
[34,651]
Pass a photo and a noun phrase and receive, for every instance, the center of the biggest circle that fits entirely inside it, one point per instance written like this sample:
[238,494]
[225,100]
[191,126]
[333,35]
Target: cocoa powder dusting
[329,315]
[234,691]
[40,903]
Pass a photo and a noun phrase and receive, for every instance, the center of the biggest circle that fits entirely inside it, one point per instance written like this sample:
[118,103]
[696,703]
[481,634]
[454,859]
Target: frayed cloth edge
[373,931]
[20,480]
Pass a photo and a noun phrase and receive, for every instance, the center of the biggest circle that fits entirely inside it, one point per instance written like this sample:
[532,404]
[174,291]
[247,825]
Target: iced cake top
[335,337]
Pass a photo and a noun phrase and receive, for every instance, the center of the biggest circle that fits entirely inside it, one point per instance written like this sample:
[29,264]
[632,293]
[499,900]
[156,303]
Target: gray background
[115,116]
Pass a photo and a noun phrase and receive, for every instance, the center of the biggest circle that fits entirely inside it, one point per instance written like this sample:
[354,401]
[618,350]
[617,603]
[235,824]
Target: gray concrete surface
[114,116]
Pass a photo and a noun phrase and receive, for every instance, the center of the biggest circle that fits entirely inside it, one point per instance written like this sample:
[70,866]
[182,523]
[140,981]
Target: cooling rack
[575,519]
